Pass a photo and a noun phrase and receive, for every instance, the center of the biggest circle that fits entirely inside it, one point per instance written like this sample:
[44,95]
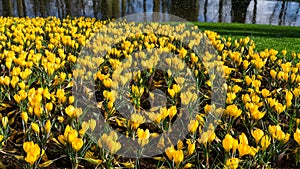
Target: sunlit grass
[265,36]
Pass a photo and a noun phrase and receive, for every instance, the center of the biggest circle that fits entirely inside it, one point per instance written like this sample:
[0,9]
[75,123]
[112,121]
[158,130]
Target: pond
[243,11]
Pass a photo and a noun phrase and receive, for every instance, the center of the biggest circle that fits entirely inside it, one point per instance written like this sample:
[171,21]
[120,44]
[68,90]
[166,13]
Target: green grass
[264,36]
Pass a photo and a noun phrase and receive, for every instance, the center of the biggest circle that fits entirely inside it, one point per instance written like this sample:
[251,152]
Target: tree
[7,7]
[187,9]
[239,10]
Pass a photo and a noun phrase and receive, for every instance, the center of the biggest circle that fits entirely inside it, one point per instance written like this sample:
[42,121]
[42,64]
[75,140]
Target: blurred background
[273,12]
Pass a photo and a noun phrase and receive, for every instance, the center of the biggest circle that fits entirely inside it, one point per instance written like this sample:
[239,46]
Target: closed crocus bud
[49,106]
[243,139]
[48,126]
[27,146]
[171,92]
[192,126]
[297,136]
[17,98]
[179,145]
[143,136]
[35,127]
[227,142]
[24,117]
[172,111]
[6,80]
[37,110]
[72,135]
[92,124]
[60,119]
[191,147]
[85,126]
[70,111]
[4,122]
[71,99]
[1,138]
[235,144]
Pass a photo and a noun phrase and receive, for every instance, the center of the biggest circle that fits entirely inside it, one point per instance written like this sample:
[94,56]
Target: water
[242,11]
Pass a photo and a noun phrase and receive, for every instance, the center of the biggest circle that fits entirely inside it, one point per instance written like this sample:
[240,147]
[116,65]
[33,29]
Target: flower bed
[47,84]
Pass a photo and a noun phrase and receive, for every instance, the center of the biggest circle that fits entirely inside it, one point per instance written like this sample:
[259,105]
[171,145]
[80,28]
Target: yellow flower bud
[37,110]
[48,126]
[297,136]
[49,106]
[61,139]
[71,99]
[4,122]
[191,147]
[192,126]
[1,138]
[24,117]
[92,124]
[179,145]
[60,119]
[227,142]
[171,92]
[35,127]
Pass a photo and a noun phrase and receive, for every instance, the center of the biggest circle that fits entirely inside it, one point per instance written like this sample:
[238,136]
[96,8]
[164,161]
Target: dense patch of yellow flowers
[39,59]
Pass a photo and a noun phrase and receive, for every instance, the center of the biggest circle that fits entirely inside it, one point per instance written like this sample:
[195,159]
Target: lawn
[264,36]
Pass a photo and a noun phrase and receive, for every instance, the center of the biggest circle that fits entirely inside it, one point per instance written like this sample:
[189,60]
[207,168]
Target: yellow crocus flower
[70,111]
[35,127]
[172,111]
[257,135]
[24,117]
[33,152]
[171,92]
[297,136]
[191,147]
[232,163]
[48,126]
[136,120]
[192,126]
[244,149]
[77,144]
[143,136]
[227,142]
[178,156]
[265,142]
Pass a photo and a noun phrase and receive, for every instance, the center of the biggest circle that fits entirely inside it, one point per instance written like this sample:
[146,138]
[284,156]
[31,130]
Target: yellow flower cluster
[71,136]
[33,152]
[40,58]
[110,141]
